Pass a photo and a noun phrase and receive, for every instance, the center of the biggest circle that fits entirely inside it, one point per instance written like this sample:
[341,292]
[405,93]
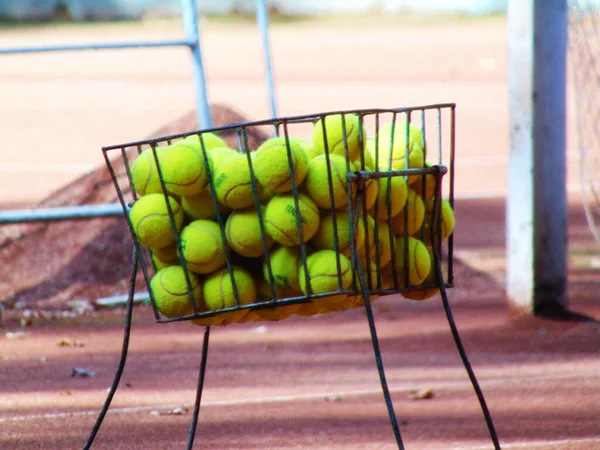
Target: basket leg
[201,375]
[121,367]
[461,350]
[379,361]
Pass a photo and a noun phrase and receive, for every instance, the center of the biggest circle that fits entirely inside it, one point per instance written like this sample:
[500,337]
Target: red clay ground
[312,383]
[303,383]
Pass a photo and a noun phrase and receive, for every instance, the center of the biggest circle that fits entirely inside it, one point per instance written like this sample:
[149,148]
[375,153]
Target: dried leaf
[421,394]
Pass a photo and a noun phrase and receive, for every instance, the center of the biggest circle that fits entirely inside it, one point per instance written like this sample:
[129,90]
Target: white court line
[448,385]
[532,444]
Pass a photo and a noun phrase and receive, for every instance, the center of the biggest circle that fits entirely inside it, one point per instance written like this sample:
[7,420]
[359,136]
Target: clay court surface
[303,383]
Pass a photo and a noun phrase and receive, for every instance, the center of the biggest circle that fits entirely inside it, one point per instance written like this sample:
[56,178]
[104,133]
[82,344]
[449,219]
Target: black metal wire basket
[297,225]
[332,212]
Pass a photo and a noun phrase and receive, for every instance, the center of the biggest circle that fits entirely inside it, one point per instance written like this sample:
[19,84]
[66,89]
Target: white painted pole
[537,205]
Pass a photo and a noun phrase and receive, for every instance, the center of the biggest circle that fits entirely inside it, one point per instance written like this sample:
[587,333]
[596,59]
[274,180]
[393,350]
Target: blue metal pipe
[99,46]
[262,18]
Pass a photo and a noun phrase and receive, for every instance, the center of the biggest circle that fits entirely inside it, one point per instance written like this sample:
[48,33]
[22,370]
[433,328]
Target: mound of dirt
[52,263]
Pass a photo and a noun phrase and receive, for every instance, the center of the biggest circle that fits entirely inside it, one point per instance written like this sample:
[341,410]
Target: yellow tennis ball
[394,190]
[430,279]
[218,154]
[281,217]
[374,280]
[285,264]
[183,169]
[210,141]
[413,213]
[308,148]
[202,207]
[233,182]
[171,294]
[278,312]
[381,251]
[325,276]
[202,246]
[219,292]
[334,129]
[151,221]
[317,181]
[419,262]
[273,164]
[368,246]
[325,236]
[393,155]
[244,233]
[165,257]
[447,220]
[144,173]
[425,183]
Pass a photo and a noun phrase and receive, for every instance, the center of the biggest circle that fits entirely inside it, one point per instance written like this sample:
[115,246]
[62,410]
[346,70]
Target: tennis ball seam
[289,239]
[348,133]
[175,294]
[175,211]
[237,243]
[232,188]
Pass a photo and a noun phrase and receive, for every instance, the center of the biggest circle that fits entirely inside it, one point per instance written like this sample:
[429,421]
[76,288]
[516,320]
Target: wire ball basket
[335,209]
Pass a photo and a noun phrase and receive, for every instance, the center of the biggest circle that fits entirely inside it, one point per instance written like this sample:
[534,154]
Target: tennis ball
[413,213]
[218,154]
[325,236]
[381,250]
[278,312]
[308,148]
[272,164]
[171,294]
[218,291]
[334,129]
[232,182]
[144,174]
[324,277]
[202,246]
[201,206]
[244,235]
[447,220]
[285,263]
[394,188]
[393,156]
[419,262]
[282,223]
[368,226]
[317,181]
[425,183]
[374,280]
[165,257]
[183,169]
[210,140]
[151,223]
[430,279]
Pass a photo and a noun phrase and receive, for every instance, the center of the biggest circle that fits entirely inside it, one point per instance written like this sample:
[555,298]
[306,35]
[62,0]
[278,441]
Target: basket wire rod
[378,358]
[262,18]
[451,184]
[124,351]
[190,21]
[199,389]
[459,346]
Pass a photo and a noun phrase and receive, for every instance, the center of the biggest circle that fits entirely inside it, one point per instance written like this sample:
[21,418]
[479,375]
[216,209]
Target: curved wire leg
[462,352]
[199,389]
[121,367]
[379,361]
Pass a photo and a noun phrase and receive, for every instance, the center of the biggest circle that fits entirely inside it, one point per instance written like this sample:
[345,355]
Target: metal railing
[192,41]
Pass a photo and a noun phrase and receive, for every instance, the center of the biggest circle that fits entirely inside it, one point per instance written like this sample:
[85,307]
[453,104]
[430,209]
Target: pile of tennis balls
[243,237]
